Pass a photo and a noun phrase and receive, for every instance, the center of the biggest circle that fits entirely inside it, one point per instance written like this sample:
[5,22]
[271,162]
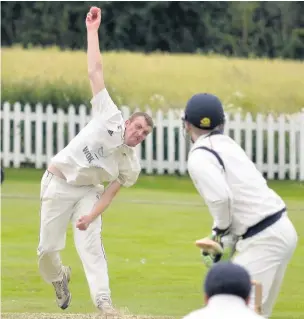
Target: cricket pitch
[72,315]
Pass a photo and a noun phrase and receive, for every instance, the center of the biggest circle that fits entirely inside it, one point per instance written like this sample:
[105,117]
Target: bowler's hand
[84,222]
[93,19]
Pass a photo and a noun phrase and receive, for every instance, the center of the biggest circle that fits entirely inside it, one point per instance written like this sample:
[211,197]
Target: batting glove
[226,240]
[210,259]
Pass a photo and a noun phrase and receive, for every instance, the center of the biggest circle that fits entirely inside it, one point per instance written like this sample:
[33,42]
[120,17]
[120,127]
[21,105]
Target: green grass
[154,267]
[158,80]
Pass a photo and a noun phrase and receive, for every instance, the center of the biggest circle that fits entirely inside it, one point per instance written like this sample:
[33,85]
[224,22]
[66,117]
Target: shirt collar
[224,299]
[197,142]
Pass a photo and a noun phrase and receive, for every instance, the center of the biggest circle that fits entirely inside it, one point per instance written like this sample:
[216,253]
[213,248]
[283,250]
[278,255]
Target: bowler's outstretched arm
[94,59]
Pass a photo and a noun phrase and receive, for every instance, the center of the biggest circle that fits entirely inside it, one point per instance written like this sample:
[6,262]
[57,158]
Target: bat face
[213,247]
[209,246]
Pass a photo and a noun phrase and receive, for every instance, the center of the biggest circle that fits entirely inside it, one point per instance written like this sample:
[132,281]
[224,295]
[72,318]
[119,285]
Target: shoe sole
[67,303]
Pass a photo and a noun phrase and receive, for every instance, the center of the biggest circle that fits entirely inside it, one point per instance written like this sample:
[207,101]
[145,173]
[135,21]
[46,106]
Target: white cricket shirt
[238,197]
[224,306]
[97,153]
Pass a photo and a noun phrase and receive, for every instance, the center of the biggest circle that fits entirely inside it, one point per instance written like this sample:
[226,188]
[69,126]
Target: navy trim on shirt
[216,132]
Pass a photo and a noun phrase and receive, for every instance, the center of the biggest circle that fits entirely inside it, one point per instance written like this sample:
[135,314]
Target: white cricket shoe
[63,295]
[104,304]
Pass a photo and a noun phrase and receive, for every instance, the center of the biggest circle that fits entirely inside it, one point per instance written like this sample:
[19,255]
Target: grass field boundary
[132,201]
[135,201]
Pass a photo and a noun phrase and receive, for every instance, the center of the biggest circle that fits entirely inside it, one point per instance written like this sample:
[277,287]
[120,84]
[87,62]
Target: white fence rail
[274,143]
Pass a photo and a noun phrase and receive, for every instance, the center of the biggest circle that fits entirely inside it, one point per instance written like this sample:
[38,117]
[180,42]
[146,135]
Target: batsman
[251,225]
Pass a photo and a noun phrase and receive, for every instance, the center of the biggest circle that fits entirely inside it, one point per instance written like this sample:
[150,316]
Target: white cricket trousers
[62,203]
[266,256]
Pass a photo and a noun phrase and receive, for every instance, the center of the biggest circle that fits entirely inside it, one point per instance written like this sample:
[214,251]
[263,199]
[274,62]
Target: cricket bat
[212,247]
[209,245]
[257,295]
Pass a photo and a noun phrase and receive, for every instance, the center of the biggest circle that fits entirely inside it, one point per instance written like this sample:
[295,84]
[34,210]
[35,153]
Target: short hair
[146,116]
[199,131]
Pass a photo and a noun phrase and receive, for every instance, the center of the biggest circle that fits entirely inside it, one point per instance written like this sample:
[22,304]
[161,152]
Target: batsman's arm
[94,58]
[209,180]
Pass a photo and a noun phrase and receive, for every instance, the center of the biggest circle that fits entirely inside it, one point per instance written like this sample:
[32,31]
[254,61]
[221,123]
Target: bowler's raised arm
[95,70]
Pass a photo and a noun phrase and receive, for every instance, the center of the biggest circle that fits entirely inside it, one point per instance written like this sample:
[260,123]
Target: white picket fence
[274,143]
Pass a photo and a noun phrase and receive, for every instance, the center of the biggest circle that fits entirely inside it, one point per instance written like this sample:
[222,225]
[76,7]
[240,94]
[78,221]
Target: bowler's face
[136,131]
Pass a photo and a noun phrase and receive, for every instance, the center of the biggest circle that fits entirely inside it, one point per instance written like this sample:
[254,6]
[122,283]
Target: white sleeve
[129,170]
[128,179]
[103,104]
[106,112]
[209,179]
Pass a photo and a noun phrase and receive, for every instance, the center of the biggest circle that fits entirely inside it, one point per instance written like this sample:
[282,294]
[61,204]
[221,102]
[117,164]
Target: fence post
[82,116]
[282,146]
[292,129]
[71,122]
[159,141]
[6,134]
[237,128]
[38,136]
[49,133]
[17,135]
[301,146]
[171,142]
[60,130]
[248,135]
[270,147]
[149,149]
[259,149]
[27,133]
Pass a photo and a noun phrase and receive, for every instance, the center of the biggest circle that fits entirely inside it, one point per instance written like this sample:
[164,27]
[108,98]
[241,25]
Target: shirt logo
[110,132]
[100,152]
[88,154]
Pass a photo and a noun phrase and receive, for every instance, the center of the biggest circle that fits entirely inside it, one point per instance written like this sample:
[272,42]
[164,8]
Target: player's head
[203,113]
[226,278]
[138,127]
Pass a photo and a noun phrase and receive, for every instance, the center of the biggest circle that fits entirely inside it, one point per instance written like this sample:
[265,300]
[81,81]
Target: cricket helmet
[204,111]
[229,279]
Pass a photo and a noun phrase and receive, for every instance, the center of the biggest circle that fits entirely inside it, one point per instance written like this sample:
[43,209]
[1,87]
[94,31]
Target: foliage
[159,80]
[251,28]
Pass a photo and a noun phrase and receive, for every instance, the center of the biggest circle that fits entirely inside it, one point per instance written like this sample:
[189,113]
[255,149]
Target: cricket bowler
[72,187]
[250,220]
